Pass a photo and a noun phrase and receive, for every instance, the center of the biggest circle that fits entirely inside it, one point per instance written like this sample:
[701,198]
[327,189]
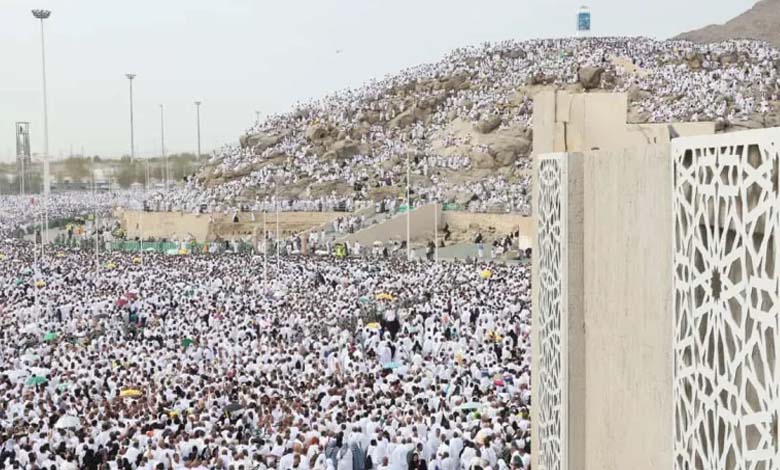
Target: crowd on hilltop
[668,81]
[214,362]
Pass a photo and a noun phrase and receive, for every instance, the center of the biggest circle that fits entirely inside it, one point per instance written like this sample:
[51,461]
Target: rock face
[344,149]
[259,142]
[762,22]
[316,132]
[488,125]
[590,77]
[507,149]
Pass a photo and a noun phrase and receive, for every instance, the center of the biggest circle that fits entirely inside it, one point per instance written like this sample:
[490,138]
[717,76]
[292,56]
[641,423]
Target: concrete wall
[179,225]
[615,295]
[169,225]
[628,289]
[503,223]
[421,227]
[566,122]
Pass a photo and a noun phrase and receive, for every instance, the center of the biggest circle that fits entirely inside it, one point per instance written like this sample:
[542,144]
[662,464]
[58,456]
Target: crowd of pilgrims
[236,362]
[732,81]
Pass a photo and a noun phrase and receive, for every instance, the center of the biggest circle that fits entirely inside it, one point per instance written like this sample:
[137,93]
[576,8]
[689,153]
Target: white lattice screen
[726,301]
[552,324]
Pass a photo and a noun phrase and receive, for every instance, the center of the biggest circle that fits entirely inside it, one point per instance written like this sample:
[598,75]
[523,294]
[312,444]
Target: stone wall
[179,225]
[501,224]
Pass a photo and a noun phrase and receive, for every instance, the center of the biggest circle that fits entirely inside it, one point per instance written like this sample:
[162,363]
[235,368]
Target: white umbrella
[16,375]
[29,357]
[67,422]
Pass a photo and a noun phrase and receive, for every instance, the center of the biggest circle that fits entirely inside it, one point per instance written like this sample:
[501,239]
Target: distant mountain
[762,22]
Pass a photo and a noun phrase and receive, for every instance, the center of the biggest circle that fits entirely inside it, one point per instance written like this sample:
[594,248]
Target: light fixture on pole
[42,15]
[130,77]
[197,109]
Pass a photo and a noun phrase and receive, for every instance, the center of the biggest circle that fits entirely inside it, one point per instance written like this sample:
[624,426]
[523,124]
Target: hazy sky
[239,56]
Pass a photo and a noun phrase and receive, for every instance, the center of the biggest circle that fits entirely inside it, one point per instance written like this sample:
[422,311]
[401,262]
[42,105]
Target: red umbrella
[121,302]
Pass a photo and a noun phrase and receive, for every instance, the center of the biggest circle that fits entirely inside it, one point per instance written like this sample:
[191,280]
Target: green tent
[36,380]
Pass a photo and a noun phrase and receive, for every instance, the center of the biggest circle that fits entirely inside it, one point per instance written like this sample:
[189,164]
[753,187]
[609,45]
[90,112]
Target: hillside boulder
[483,161]
[508,148]
[316,132]
[488,125]
[590,77]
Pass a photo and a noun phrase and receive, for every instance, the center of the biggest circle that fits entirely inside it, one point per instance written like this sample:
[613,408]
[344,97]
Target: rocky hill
[465,122]
[762,23]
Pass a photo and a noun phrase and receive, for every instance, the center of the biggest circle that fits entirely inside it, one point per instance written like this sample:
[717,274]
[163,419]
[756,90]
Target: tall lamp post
[130,77]
[42,15]
[162,145]
[197,109]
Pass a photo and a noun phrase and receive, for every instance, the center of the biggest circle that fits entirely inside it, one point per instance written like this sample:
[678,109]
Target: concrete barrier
[207,227]
[421,222]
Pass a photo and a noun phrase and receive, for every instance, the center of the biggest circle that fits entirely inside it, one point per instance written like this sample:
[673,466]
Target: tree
[129,172]
[77,168]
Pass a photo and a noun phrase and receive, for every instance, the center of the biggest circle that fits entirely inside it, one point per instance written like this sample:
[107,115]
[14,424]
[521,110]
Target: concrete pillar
[558,345]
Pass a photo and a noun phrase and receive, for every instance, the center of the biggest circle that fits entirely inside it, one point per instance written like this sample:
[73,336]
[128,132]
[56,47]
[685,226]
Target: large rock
[694,60]
[457,82]
[486,126]
[344,149]
[507,148]
[729,59]
[259,141]
[316,132]
[464,197]
[371,117]
[405,119]
[483,161]
[637,94]
[590,77]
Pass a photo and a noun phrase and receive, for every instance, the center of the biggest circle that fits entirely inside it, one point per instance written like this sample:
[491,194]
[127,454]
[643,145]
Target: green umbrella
[187,342]
[50,336]
[36,380]
[19,282]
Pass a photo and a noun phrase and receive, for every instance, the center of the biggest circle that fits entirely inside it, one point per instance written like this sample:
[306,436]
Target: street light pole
[197,109]
[436,231]
[408,210]
[95,215]
[130,77]
[257,117]
[42,15]
[278,241]
[162,147]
